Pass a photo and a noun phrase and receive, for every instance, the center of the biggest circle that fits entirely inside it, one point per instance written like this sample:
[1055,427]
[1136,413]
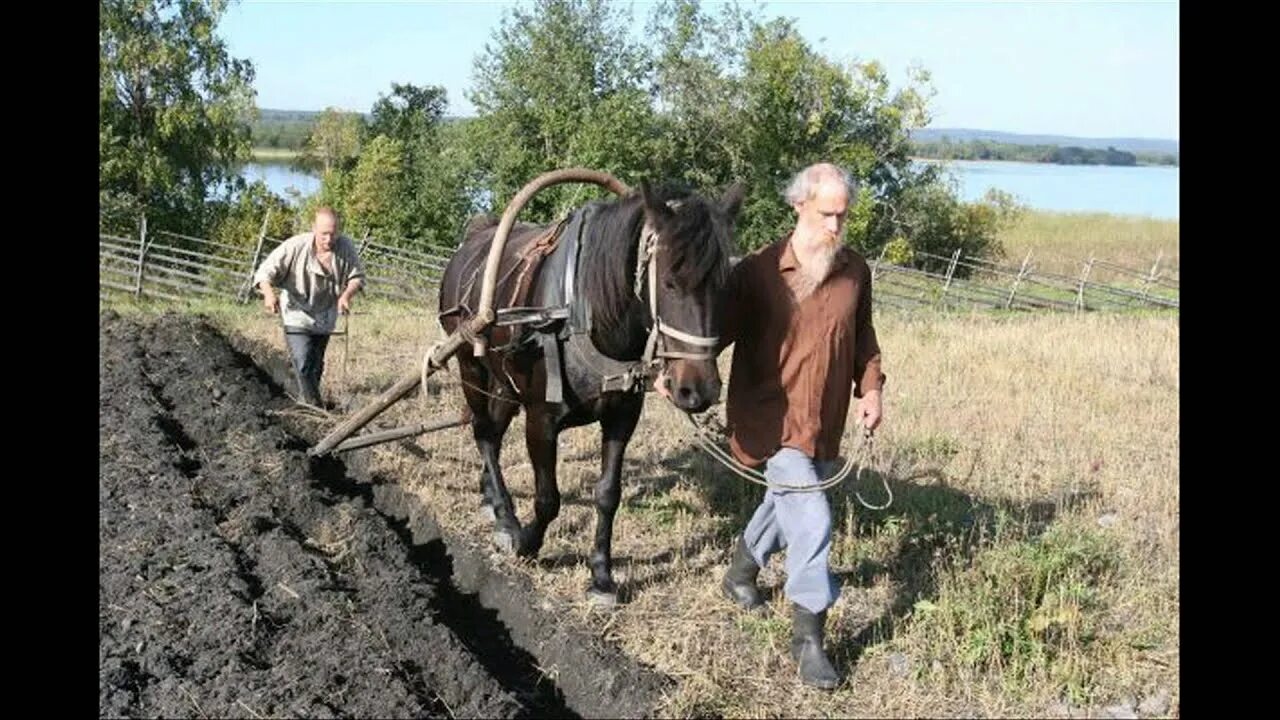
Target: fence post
[1155,273]
[1084,278]
[875,264]
[951,269]
[142,256]
[253,264]
[1022,272]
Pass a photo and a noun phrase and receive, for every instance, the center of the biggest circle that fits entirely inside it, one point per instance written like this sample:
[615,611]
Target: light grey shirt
[308,292]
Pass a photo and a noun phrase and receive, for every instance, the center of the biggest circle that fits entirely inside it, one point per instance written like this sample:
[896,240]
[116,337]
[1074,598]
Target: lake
[1147,191]
[1150,191]
[279,177]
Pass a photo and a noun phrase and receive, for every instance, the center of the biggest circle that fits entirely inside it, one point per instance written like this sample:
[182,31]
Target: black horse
[588,309]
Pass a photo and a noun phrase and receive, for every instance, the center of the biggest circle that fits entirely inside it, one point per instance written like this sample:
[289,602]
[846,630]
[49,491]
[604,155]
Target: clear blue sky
[1093,69]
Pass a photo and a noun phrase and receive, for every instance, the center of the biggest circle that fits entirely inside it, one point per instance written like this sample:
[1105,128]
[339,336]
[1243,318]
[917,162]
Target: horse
[578,338]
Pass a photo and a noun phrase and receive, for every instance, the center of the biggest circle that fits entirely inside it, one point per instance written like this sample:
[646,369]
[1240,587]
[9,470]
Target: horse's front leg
[491,415]
[540,439]
[616,425]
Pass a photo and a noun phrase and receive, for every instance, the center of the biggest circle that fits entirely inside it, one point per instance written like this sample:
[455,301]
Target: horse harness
[559,321]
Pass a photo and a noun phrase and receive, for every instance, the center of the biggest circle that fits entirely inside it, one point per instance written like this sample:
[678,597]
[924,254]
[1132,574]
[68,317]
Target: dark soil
[240,578]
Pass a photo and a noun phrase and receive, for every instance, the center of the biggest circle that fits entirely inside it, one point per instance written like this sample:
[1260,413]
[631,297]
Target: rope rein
[708,439]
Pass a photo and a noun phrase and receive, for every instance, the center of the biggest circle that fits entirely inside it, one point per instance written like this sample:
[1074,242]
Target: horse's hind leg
[540,439]
[616,426]
[491,416]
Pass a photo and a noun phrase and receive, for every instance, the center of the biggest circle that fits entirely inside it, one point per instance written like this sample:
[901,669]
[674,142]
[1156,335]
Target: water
[1146,191]
[281,177]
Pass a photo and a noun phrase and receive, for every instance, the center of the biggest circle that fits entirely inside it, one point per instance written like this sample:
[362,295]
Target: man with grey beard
[799,315]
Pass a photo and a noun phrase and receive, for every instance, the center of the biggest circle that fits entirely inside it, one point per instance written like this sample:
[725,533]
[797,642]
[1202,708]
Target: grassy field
[268,154]
[1028,565]
[1061,242]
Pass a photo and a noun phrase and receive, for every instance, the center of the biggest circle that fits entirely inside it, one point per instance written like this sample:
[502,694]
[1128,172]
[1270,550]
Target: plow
[472,333]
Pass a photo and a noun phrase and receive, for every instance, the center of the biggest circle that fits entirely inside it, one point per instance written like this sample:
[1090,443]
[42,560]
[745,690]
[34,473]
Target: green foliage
[705,100]
[174,112]
[561,86]
[936,222]
[378,185]
[1022,611]
[239,222]
[334,143]
[335,188]
[898,252]
[744,99]
[409,114]
[283,134]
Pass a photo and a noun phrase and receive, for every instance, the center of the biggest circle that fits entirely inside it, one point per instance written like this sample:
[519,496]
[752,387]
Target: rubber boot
[739,584]
[806,649]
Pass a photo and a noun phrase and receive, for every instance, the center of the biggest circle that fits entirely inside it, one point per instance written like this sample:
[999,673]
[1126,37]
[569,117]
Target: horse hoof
[486,513]
[505,541]
[599,599]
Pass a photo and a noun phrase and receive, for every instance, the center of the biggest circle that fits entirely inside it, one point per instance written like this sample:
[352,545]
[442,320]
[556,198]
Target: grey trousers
[307,353]
[800,522]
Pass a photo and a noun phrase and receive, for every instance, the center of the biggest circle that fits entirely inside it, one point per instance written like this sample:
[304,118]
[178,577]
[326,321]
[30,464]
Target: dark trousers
[307,353]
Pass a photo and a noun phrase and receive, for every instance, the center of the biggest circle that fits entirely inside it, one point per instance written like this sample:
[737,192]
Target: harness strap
[551,352]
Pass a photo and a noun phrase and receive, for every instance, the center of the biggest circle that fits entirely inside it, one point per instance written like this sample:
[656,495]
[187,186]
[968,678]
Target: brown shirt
[794,364]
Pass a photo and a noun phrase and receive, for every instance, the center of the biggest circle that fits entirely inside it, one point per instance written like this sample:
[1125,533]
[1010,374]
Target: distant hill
[1134,145]
[273,115]
[270,115]
[298,119]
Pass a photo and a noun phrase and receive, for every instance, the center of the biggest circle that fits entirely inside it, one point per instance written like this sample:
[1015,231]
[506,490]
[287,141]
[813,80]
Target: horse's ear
[655,209]
[731,203]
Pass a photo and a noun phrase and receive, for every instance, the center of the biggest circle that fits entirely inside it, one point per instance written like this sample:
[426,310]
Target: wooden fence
[166,265]
[170,266]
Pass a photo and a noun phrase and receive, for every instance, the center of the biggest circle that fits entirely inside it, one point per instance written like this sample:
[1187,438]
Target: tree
[335,140]
[433,200]
[378,188]
[174,112]
[697,89]
[239,222]
[562,85]
[409,114]
[413,181]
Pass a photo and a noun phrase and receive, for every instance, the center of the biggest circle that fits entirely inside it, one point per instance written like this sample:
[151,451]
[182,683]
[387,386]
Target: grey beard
[810,275]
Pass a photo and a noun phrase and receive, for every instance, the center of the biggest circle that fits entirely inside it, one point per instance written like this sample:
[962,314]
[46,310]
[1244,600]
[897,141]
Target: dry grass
[1061,242]
[1030,556]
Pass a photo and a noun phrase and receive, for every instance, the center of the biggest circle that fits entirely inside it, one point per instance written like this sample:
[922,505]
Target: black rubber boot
[806,649]
[309,393]
[739,584]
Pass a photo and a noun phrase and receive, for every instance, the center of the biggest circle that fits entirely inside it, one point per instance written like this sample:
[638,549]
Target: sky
[1088,69]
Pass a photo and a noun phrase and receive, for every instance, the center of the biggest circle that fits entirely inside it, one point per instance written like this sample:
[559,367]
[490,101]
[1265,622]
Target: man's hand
[660,385]
[869,409]
[270,301]
[344,299]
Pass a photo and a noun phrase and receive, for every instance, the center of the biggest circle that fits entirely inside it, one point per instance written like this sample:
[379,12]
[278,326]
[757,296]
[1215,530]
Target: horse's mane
[697,253]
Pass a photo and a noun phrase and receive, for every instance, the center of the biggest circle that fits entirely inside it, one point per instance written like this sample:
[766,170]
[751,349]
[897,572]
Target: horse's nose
[688,398]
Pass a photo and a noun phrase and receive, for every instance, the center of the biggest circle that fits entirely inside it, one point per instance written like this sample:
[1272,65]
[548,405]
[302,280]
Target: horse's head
[689,266]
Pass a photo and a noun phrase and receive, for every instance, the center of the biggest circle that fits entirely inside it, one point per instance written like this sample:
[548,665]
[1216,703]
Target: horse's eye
[669,284]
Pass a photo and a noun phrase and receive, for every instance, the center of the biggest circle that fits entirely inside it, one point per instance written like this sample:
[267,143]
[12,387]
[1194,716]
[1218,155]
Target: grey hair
[802,185]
